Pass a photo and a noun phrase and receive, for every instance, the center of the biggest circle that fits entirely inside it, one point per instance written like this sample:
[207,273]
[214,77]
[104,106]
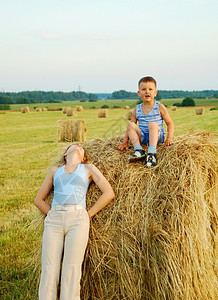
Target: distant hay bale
[71,112]
[64,110]
[129,115]
[199,110]
[44,109]
[79,108]
[54,108]
[25,109]
[103,113]
[157,239]
[173,108]
[126,107]
[38,109]
[72,130]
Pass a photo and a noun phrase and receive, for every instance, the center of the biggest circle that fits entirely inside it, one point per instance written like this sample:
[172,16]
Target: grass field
[28,148]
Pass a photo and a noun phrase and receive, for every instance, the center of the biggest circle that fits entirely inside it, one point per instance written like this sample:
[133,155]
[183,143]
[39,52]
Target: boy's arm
[124,144]
[170,125]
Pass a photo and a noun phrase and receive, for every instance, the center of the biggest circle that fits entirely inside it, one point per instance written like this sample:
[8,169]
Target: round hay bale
[64,110]
[25,109]
[103,113]
[71,130]
[79,108]
[156,240]
[199,110]
[126,107]
[71,112]
[44,109]
[38,109]
[129,115]
[173,108]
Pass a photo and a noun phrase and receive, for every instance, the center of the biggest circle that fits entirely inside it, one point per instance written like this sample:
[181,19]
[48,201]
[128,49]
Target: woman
[66,226]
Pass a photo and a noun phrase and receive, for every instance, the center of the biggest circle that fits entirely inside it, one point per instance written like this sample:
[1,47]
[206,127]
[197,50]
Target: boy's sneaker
[151,160]
[137,155]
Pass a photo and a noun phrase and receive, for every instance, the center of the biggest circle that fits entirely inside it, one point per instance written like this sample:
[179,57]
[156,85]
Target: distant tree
[5,107]
[188,101]
[158,97]
[105,106]
[6,100]
[22,100]
[215,96]
[177,104]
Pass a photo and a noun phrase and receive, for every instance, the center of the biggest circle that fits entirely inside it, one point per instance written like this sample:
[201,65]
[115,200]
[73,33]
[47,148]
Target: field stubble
[28,149]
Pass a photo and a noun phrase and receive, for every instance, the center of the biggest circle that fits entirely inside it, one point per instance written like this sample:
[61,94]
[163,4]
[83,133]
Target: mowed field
[28,148]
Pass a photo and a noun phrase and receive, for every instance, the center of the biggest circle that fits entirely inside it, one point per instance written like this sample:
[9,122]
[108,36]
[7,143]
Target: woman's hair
[63,161]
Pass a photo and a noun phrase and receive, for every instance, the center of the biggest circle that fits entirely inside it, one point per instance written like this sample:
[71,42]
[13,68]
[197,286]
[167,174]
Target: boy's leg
[134,134]
[153,140]
[52,247]
[153,134]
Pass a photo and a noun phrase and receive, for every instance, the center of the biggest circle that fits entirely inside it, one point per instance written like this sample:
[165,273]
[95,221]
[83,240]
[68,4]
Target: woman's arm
[105,187]
[44,191]
[170,125]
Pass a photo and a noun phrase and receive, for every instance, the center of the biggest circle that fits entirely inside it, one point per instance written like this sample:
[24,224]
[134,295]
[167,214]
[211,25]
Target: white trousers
[65,238]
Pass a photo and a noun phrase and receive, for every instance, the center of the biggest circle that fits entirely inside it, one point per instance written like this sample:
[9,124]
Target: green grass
[28,148]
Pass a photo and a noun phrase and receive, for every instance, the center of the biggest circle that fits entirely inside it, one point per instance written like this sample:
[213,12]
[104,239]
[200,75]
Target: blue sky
[103,46]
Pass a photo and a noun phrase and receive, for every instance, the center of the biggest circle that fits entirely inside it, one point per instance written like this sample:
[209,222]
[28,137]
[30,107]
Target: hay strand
[156,240]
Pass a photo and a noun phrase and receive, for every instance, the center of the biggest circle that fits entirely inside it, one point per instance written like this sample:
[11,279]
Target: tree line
[27,97]
[47,97]
[168,94]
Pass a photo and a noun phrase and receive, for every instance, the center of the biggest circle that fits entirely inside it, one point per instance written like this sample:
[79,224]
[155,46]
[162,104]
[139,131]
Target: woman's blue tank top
[153,116]
[70,188]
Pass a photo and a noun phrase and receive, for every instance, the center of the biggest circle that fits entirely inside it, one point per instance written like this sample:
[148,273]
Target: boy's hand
[122,146]
[168,141]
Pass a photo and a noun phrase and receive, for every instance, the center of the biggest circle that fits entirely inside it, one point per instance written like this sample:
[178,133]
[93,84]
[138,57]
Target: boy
[150,115]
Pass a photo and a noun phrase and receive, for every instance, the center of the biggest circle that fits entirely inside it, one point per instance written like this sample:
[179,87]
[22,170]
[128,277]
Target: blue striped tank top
[70,188]
[153,116]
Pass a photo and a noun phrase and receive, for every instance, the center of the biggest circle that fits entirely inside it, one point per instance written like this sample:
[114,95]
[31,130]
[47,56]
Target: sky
[100,46]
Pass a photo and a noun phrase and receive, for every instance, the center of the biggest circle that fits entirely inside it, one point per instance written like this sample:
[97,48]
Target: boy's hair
[147,79]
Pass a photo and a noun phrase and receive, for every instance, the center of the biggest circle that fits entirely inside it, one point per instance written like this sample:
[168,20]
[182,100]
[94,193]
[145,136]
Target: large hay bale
[199,110]
[129,115]
[38,109]
[103,113]
[71,130]
[156,240]
[173,108]
[126,107]
[25,109]
[44,109]
[79,108]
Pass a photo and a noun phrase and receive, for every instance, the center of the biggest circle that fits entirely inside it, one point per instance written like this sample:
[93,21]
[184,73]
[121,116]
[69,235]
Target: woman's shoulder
[53,170]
